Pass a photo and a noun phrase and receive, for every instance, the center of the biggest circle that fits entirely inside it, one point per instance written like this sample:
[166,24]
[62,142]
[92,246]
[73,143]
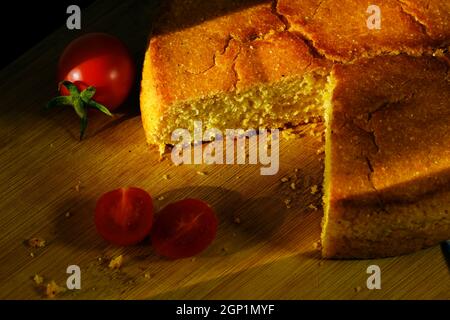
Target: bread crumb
[320,150]
[358,289]
[314,189]
[116,263]
[68,214]
[32,254]
[78,186]
[162,150]
[293,186]
[312,207]
[161,198]
[321,263]
[166,177]
[147,275]
[38,279]
[53,289]
[237,220]
[317,245]
[288,134]
[201,173]
[284,179]
[36,243]
[287,202]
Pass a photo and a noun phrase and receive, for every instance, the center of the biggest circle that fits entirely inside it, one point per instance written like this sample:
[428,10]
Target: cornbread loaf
[383,93]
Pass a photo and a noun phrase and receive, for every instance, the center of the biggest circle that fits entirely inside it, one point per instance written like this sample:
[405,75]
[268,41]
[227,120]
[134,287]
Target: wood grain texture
[270,254]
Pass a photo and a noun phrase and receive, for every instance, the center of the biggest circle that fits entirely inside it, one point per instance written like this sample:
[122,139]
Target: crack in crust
[281,17]
[233,68]
[316,52]
[306,38]
[216,54]
[414,18]
[370,173]
[318,8]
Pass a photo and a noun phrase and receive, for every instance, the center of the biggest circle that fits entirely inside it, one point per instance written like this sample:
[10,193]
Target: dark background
[23,24]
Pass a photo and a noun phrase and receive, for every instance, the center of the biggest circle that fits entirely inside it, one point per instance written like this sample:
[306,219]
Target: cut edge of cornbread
[328,114]
[289,102]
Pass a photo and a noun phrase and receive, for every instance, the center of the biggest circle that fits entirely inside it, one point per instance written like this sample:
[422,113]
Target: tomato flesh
[102,61]
[124,216]
[184,229]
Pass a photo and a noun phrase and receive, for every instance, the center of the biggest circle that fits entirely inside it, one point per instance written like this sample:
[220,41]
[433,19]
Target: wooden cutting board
[50,182]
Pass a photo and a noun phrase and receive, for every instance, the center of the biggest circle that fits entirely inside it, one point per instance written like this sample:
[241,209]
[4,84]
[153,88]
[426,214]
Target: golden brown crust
[338,28]
[390,156]
[194,61]
[277,56]
[433,15]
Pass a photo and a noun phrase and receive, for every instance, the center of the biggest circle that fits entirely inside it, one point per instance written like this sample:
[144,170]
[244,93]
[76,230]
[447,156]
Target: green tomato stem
[80,103]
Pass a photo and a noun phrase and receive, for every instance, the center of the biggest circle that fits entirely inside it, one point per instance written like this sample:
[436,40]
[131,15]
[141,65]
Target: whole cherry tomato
[101,61]
[95,71]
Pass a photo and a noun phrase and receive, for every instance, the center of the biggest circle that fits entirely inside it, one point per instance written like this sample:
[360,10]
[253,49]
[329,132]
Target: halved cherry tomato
[124,216]
[184,229]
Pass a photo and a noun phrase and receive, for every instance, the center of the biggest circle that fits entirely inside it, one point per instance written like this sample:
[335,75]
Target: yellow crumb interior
[291,101]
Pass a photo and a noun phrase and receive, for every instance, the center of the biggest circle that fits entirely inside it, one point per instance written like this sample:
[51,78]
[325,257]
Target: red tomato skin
[124,216]
[102,61]
[184,229]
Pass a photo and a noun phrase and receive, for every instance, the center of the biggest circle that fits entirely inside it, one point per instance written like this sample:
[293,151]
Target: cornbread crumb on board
[317,245]
[36,242]
[288,202]
[38,279]
[78,186]
[52,289]
[116,263]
